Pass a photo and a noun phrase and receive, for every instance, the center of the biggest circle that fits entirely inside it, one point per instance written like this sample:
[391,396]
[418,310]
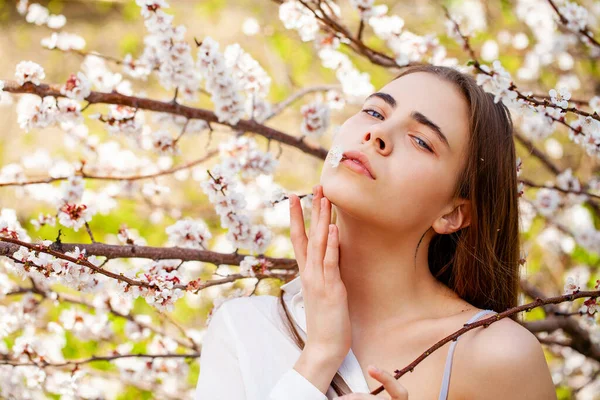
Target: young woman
[425,239]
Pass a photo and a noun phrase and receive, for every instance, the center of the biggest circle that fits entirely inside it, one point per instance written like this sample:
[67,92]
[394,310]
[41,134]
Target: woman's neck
[386,285]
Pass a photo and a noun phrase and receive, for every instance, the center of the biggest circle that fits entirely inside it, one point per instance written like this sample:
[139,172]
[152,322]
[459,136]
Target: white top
[248,354]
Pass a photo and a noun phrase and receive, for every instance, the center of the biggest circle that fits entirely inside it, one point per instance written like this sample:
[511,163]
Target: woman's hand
[390,384]
[325,296]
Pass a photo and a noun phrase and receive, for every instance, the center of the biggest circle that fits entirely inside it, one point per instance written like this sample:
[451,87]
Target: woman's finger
[316,210]
[298,231]
[314,222]
[320,238]
[391,384]
[331,261]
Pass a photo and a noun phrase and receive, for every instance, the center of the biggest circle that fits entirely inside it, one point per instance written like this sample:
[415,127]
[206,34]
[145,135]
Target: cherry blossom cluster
[539,119]
[162,277]
[34,112]
[367,8]
[590,307]
[166,373]
[189,233]
[226,92]
[315,119]
[242,155]
[166,51]
[130,236]
[86,326]
[122,119]
[63,41]
[37,264]
[576,16]
[229,204]
[252,79]
[40,15]
[250,264]
[78,87]
[294,15]
[28,71]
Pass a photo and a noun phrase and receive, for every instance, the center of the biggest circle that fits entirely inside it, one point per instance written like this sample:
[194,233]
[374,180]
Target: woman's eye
[424,144]
[367,111]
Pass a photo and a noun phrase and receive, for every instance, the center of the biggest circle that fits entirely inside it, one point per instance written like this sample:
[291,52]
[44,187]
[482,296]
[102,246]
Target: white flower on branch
[138,69]
[595,103]
[189,233]
[102,78]
[37,14]
[34,112]
[565,180]
[224,88]
[588,239]
[247,264]
[78,87]
[232,203]
[571,285]
[547,201]
[74,216]
[316,119]
[150,6]
[163,143]
[87,326]
[560,97]
[72,189]
[295,16]
[498,82]
[586,133]
[162,276]
[43,220]
[575,15]
[223,181]
[10,225]
[56,21]
[28,71]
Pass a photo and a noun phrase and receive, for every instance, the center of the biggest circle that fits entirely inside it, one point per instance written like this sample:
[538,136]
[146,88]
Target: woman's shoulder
[508,351]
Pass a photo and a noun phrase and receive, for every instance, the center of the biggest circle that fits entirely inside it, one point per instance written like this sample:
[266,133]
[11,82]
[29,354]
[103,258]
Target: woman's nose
[378,139]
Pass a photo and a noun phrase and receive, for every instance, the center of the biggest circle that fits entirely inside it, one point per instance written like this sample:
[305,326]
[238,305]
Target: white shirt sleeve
[294,386]
[220,375]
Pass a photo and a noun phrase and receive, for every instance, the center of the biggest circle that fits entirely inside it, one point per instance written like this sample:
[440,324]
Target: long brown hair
[481,261]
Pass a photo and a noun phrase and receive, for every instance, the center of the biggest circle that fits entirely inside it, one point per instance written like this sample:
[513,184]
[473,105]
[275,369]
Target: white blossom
[28,71]
[316,119]
[78,87]
[189,233]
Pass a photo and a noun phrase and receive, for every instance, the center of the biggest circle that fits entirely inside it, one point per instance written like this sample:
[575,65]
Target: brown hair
[481,261]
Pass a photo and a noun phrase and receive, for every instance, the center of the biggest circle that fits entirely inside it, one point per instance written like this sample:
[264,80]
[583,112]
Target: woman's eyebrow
[422,119]
[415,115]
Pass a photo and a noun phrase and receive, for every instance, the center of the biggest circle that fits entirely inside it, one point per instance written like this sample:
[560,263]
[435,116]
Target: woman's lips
[357,166]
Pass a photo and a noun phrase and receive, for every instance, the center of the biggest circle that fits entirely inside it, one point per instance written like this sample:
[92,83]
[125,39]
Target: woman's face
[415,169]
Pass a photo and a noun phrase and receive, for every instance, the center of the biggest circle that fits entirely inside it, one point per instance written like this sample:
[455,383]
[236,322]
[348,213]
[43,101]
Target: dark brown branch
[171,108]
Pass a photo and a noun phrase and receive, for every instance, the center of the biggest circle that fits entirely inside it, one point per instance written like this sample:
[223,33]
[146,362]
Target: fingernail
[374,368]
[330,229]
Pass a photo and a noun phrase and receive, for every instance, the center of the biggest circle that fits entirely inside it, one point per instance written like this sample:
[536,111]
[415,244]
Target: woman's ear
[458,218]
